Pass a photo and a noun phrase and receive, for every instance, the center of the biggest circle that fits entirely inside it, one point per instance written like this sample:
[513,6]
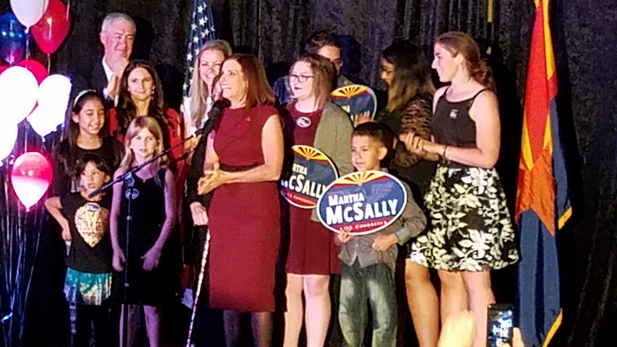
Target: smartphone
[500,324]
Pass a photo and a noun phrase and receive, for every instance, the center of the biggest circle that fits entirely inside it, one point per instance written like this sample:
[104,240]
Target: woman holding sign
[312,120]
[406,71]
[244,157]
[471,231]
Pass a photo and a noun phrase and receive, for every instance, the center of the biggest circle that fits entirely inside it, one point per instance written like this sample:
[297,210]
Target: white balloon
[8,136]
[42,121]
[54,94]
[18,93]
[29,12]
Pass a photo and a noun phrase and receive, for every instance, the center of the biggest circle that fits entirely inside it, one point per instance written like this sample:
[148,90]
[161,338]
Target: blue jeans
[374,284]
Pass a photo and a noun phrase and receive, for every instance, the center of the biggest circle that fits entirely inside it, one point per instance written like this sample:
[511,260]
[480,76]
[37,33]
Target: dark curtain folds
[585,53]
[584,32]
[366,27]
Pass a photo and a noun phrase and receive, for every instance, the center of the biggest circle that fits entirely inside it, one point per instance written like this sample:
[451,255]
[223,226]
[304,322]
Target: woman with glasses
[406,72]
[312,120]
[325,44]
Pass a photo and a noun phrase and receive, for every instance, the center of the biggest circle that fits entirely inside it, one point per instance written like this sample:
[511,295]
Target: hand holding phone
[500,325]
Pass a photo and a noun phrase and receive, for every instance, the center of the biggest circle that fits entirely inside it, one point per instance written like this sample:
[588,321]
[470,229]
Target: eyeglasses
[299,78]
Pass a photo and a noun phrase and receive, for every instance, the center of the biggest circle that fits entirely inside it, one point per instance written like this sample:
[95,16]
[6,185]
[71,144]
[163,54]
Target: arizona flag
[542,199]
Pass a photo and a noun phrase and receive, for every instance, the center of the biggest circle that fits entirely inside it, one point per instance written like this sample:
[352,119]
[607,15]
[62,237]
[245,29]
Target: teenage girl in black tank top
[452,124]
[471,230]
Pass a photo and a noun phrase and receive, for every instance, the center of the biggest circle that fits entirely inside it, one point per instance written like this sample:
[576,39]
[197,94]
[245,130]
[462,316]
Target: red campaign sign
[363,202]
[312,171]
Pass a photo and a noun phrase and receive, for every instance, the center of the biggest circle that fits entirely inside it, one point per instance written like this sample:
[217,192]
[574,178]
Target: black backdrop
[584,32]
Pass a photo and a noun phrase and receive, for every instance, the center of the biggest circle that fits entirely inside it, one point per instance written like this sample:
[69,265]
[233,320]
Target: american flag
[202,31]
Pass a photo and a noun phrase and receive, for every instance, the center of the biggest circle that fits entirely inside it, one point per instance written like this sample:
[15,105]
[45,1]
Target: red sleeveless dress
[244,219]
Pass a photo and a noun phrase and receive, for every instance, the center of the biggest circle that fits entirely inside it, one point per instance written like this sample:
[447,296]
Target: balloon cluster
[48,21]
[26,89]
[20,93]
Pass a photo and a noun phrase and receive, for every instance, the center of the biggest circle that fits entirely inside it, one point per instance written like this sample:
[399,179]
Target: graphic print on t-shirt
[91,221]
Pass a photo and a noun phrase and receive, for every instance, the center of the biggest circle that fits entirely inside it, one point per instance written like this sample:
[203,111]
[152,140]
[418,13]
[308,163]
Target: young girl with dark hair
[85,223]
[87,133]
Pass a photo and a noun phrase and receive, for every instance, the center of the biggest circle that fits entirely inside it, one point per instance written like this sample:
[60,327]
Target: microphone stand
[129,181]
[200,280]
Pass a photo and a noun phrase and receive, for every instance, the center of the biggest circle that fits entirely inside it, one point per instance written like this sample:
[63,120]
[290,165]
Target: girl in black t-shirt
[86,134]
[85,224]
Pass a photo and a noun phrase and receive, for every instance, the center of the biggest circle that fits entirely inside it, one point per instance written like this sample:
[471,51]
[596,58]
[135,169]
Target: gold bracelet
[443,155]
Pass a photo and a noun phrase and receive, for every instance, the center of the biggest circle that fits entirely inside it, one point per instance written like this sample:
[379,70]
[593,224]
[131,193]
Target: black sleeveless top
[451,124]
[147,210]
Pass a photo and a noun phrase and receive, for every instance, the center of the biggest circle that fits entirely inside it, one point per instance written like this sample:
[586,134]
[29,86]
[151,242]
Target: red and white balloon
[31,177]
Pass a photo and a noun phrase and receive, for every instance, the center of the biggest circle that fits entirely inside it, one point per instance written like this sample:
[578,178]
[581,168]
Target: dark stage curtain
[584,32]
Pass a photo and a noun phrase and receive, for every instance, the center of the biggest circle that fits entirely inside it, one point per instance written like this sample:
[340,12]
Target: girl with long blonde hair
[153,216]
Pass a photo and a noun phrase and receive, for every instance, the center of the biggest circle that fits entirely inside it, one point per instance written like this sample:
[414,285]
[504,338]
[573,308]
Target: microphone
[215,113]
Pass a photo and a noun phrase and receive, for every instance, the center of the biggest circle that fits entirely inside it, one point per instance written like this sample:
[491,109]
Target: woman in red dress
[244,158]
[141,94]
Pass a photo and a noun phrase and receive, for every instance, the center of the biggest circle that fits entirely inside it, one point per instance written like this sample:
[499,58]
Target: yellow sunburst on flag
[310,153]
[358,178]
[349,91]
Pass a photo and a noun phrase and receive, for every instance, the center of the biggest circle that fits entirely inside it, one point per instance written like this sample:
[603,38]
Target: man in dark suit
[117,36]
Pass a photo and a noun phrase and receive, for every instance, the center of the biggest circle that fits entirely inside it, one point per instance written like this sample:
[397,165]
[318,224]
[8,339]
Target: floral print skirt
[470,226]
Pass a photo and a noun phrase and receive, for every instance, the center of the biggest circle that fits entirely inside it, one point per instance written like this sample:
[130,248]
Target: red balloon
[52,29]
[38,70]
[31,176]
[3,67]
